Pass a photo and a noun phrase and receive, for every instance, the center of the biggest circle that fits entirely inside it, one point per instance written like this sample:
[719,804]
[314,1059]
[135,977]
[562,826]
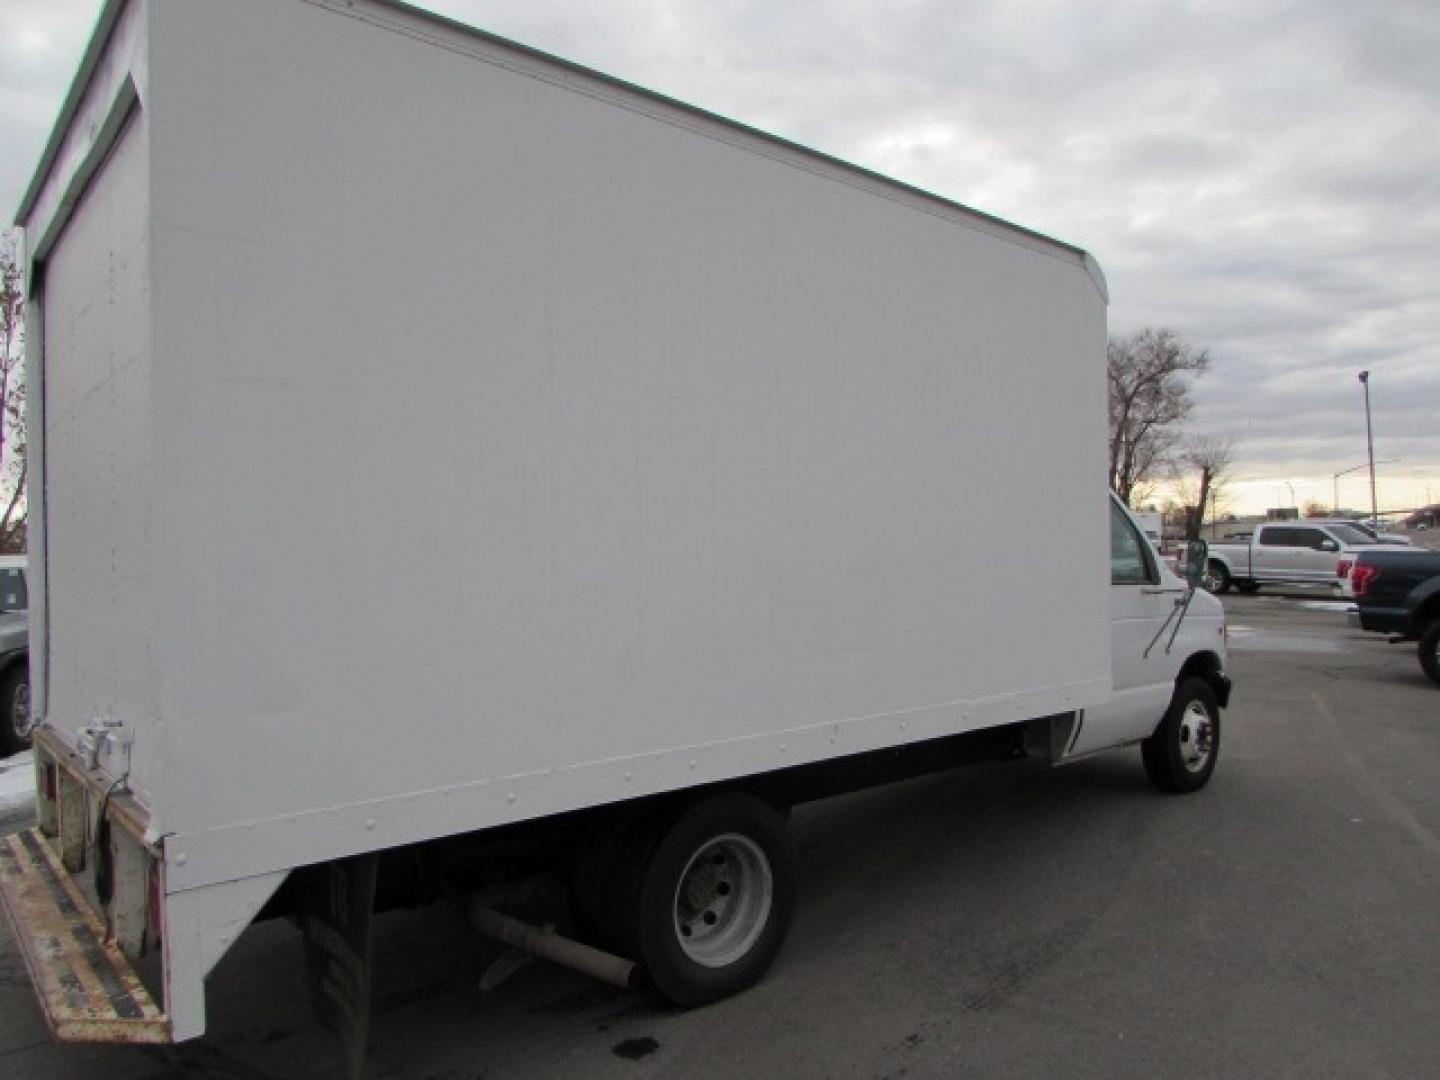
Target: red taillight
[1342,568]
[1362,577]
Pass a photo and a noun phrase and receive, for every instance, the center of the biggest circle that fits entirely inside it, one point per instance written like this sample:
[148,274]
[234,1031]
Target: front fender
[1208,666]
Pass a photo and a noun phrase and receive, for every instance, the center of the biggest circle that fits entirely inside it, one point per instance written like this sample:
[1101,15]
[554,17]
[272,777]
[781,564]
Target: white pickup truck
[1284,553]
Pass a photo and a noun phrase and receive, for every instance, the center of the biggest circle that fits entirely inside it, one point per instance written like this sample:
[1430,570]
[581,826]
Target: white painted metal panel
[522,442]
[98,477]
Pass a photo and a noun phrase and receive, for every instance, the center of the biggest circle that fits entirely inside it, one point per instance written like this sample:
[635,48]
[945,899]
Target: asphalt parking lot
[1002,921]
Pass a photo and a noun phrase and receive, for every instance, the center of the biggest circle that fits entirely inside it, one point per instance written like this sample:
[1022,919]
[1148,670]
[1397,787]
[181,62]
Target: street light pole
[1370,452]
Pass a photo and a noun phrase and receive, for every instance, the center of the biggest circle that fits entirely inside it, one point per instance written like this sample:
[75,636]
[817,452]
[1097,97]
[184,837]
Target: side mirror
[1329,545]
[1197,560]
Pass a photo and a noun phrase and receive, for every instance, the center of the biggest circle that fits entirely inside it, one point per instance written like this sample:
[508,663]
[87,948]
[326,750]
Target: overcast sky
[1262,177]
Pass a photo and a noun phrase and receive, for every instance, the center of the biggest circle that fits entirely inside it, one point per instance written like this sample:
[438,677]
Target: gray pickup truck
[1285,553]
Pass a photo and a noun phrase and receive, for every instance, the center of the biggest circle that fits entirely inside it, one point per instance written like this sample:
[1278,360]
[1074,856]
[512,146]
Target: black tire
[707,904]
[15,718]
[589,878]
[1180,756]
[1248,586]
[599,868]
[1430,651]
[1217,578]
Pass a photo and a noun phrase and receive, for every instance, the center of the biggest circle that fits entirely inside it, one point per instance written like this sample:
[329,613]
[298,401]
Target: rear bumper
[76,890]
[87,988]
[1382,620]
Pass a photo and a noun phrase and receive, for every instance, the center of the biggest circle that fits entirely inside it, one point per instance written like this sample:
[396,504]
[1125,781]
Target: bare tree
[1203,469]
[13,469]
[1149,397]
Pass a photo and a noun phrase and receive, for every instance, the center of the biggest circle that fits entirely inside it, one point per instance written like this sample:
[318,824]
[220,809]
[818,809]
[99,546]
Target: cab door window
[1131,560]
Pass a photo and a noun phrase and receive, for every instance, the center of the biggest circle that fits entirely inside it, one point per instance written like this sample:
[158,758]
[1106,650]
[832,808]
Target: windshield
[13,595]
[1350,534]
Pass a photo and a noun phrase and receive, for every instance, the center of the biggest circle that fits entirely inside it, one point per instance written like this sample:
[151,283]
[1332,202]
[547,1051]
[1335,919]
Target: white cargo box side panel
[98,475]
[520,450]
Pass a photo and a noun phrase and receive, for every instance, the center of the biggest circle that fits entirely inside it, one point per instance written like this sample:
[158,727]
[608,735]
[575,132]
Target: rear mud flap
[339,902]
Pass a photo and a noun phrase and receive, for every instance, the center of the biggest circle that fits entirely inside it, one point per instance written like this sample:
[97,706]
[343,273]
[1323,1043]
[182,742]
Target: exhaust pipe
[545,943]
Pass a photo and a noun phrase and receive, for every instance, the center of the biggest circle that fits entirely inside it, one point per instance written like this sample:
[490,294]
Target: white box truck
[441,451]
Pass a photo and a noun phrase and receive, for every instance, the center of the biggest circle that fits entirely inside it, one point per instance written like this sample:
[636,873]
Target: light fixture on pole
[1370,451]
[1335,480]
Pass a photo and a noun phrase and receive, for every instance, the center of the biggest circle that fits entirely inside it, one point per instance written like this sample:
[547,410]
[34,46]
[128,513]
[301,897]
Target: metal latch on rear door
[104,743]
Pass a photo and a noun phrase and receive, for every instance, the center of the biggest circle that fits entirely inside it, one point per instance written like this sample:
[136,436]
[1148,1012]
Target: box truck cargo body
[429,436]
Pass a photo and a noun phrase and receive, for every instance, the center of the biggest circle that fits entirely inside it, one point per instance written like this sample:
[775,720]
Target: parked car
[14,656]
[1365,527]
[1290,552]
[1398,593]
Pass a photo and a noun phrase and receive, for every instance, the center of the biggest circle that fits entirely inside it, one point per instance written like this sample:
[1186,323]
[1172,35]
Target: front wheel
[1181,755]
[1430,651]
[713,900]
[15,718]
[1217,578]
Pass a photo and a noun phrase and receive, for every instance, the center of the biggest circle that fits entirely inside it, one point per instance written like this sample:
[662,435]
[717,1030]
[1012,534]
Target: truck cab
[1167,644]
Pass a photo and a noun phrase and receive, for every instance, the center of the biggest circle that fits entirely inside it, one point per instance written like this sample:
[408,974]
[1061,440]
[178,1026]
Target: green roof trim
[99,38]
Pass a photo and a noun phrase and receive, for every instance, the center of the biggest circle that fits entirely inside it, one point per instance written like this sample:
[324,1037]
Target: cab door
[1142,598]
[1274,552]
[1316,554]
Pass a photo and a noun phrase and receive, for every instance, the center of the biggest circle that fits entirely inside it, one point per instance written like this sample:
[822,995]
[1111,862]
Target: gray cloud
[1261,176]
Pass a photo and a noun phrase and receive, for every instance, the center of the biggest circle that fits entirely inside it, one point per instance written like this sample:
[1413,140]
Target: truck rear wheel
[591,873]
[1180,756]
[1430,650]
[1217,577]
[709,902]
[1248,586]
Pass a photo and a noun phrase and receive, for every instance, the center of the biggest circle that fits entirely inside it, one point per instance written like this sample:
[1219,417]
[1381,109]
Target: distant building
[1282,513]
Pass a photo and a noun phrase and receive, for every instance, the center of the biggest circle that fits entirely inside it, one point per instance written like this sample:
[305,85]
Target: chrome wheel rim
[722,902]
[1197,737]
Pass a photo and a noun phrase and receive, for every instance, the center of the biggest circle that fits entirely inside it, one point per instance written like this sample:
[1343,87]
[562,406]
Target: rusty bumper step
[87,988]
